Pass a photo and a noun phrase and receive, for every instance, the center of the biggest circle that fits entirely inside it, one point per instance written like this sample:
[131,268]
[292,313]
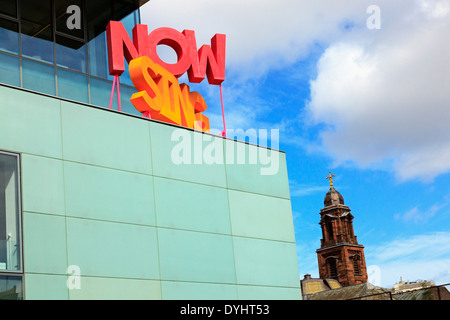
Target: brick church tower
[340,256]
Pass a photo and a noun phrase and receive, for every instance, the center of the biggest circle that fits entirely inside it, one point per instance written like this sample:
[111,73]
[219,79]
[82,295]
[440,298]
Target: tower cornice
[343,244]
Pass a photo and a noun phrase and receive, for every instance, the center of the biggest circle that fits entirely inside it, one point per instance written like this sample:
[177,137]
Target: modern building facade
[95,204]
[39,52]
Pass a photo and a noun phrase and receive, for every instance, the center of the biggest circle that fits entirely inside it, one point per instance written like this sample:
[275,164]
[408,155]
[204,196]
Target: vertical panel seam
[154,208]
[229,215]
[64,191]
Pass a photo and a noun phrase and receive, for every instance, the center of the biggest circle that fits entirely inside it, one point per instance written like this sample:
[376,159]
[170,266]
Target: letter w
[209,60]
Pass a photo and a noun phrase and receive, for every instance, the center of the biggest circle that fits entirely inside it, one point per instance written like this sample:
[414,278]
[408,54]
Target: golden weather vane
[330,176]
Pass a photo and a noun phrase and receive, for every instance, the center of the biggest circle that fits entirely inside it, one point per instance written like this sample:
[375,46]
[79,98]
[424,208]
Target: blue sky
[370,105]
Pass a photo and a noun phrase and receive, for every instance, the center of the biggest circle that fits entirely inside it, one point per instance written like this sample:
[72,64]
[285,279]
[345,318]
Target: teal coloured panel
[176,290]
[44,238]
[108,194]
[195,256]
[95,288]
[42,184]
[104,138]
[265,262]
[268,293]
[256,169]
[259,216]
[46,287]
[109,249]
[183,154]
[30,123]
[191,206]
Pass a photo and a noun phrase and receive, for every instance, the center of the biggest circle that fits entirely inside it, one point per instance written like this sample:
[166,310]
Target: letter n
[120,45]
[209,60]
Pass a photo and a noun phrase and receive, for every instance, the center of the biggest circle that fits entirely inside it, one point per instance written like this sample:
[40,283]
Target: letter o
[177,41]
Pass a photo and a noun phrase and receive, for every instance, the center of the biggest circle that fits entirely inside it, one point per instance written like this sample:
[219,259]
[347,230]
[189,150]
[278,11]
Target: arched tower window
[356,268]
[332,265]
[330,230]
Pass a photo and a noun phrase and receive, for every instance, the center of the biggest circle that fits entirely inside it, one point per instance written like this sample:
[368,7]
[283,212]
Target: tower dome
[333,197]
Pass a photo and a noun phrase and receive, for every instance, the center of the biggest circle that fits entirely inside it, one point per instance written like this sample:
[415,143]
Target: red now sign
[208,61]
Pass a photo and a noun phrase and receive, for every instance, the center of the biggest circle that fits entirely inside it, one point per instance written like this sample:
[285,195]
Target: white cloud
[386,97]
[384,93]
[416,215]
[261,34]
[302,190]
[436,8]
[434,270]
[425,257]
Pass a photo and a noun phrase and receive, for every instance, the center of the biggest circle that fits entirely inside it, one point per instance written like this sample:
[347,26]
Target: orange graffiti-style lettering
[161,95]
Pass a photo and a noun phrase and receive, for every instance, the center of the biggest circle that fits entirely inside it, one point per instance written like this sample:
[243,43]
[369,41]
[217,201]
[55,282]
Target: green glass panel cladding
[125,196]
[43,184]
[105,139]
[260,216]
[208,214]
[116,206]
[45,243]
[110,249]
[186,155]
[30,123]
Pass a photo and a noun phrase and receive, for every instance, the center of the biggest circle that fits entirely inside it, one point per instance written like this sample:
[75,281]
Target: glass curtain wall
[58,47]
[11,271]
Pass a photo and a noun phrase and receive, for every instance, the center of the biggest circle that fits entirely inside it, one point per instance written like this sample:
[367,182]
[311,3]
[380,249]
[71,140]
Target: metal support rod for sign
[116,79]
[224,132]
[146,114]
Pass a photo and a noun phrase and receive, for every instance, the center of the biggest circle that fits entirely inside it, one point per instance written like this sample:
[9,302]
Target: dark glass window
[98,52]
[73,85]
[10,212]
[38,77]
[98,14]
[9,7]
[129,22]
[69,17]
[9,69]
[37,30]
[11,287]
[58,47]
[71,54]
[125,95]
[101,92]
[98,56]
[9,36]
